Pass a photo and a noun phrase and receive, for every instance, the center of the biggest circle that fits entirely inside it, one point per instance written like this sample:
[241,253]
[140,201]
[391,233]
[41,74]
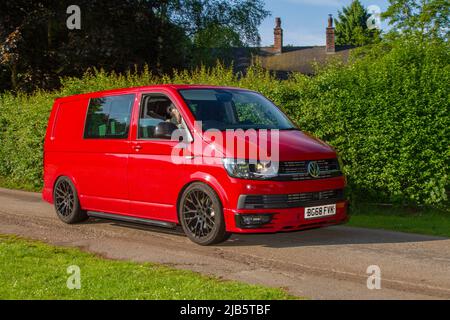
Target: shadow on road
[337,235]
[178,231]
[330,236]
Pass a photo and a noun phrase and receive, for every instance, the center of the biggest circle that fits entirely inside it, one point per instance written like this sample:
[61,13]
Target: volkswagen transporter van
[215,160]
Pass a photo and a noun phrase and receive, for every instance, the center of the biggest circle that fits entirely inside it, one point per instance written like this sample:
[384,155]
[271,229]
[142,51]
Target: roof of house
[285,59]
[301,59]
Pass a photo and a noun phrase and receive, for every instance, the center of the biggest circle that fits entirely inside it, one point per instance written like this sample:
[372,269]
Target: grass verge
[430,221]
[9,184]
[34,270]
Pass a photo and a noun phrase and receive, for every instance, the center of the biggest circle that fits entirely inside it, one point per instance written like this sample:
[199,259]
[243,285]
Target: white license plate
[320,211]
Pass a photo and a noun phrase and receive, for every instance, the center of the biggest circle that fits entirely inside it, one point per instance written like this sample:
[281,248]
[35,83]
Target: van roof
[136,89]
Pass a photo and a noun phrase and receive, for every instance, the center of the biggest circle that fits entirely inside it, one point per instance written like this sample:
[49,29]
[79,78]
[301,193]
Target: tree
[351,26]
[214,42]
[420,17]
[9,56]
[37,48]
[243,17]
[217,26]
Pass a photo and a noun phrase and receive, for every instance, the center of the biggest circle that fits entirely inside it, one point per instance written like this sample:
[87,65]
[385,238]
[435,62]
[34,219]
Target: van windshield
[224,109]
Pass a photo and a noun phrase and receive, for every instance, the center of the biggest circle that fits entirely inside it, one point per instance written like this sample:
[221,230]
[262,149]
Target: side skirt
[117,217]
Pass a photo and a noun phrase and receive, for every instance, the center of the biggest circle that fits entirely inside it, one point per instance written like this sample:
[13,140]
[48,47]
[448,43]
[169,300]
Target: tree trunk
[14,82]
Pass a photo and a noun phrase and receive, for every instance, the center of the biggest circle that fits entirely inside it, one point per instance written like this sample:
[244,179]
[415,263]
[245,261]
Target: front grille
[280,201]
[298,170]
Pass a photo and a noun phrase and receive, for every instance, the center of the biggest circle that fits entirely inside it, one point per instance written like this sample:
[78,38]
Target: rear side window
[109,117]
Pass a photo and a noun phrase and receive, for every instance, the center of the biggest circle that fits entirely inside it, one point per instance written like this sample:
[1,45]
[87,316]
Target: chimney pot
[330,45]
[278,37]
[278,22]
[330,21]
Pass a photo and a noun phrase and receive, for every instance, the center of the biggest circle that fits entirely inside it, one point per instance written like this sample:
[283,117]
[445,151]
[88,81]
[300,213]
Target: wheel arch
[70,177]
[209,181]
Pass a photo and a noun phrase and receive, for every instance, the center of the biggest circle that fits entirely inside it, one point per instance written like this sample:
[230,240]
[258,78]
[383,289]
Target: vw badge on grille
[313,169]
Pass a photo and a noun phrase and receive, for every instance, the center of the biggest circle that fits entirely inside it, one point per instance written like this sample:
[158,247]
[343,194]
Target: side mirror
[164,130]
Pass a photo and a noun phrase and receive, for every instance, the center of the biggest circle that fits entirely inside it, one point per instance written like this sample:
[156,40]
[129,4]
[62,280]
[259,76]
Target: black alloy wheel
[67,204]
[201,215]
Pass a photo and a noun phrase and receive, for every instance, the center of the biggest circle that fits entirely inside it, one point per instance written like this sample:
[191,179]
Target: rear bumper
[284,220]
[47,195]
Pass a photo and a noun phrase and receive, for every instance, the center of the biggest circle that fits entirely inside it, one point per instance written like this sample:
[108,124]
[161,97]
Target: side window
[109,117]
[158,117]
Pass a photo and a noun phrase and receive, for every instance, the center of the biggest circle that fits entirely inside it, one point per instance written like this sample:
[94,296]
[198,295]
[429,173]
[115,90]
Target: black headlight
[250,169]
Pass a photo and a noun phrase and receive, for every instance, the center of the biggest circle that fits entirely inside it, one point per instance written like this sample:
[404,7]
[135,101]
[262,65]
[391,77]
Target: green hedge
[386,112]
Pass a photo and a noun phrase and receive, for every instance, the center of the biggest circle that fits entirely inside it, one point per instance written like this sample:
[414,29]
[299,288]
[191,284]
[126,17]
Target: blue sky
[304,21]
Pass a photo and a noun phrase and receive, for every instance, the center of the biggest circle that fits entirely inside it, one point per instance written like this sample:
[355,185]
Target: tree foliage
[36,47]
[351,26]
[427,18]
[243,17]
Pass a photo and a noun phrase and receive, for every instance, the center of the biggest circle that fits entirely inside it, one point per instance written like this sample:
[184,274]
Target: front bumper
[286,219]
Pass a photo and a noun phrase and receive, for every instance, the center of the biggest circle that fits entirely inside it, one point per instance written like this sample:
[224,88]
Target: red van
[115,155]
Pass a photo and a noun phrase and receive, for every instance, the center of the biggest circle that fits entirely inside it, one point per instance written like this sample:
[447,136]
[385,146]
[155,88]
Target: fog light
[252,220]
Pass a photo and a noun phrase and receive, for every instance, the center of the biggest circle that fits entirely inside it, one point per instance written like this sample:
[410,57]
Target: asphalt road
[329,263]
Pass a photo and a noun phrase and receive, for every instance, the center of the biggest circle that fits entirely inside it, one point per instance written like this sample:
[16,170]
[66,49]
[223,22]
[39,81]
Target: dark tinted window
[234,109]
[109,117]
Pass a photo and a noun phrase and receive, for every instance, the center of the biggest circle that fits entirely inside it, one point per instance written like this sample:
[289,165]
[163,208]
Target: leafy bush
[386,113]
[388,116]
[23,121]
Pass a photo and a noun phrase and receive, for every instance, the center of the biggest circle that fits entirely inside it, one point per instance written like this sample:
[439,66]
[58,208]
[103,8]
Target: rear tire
[201,215]
[66,202]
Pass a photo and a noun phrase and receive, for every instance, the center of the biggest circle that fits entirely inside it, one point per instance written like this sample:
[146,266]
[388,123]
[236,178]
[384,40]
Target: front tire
[66,202]
[201,215]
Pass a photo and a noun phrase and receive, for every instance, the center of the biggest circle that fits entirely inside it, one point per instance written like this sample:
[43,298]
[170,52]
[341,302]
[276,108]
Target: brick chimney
[330,47]
[278,37]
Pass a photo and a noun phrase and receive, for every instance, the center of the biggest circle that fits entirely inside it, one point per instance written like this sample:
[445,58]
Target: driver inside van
[175,116]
